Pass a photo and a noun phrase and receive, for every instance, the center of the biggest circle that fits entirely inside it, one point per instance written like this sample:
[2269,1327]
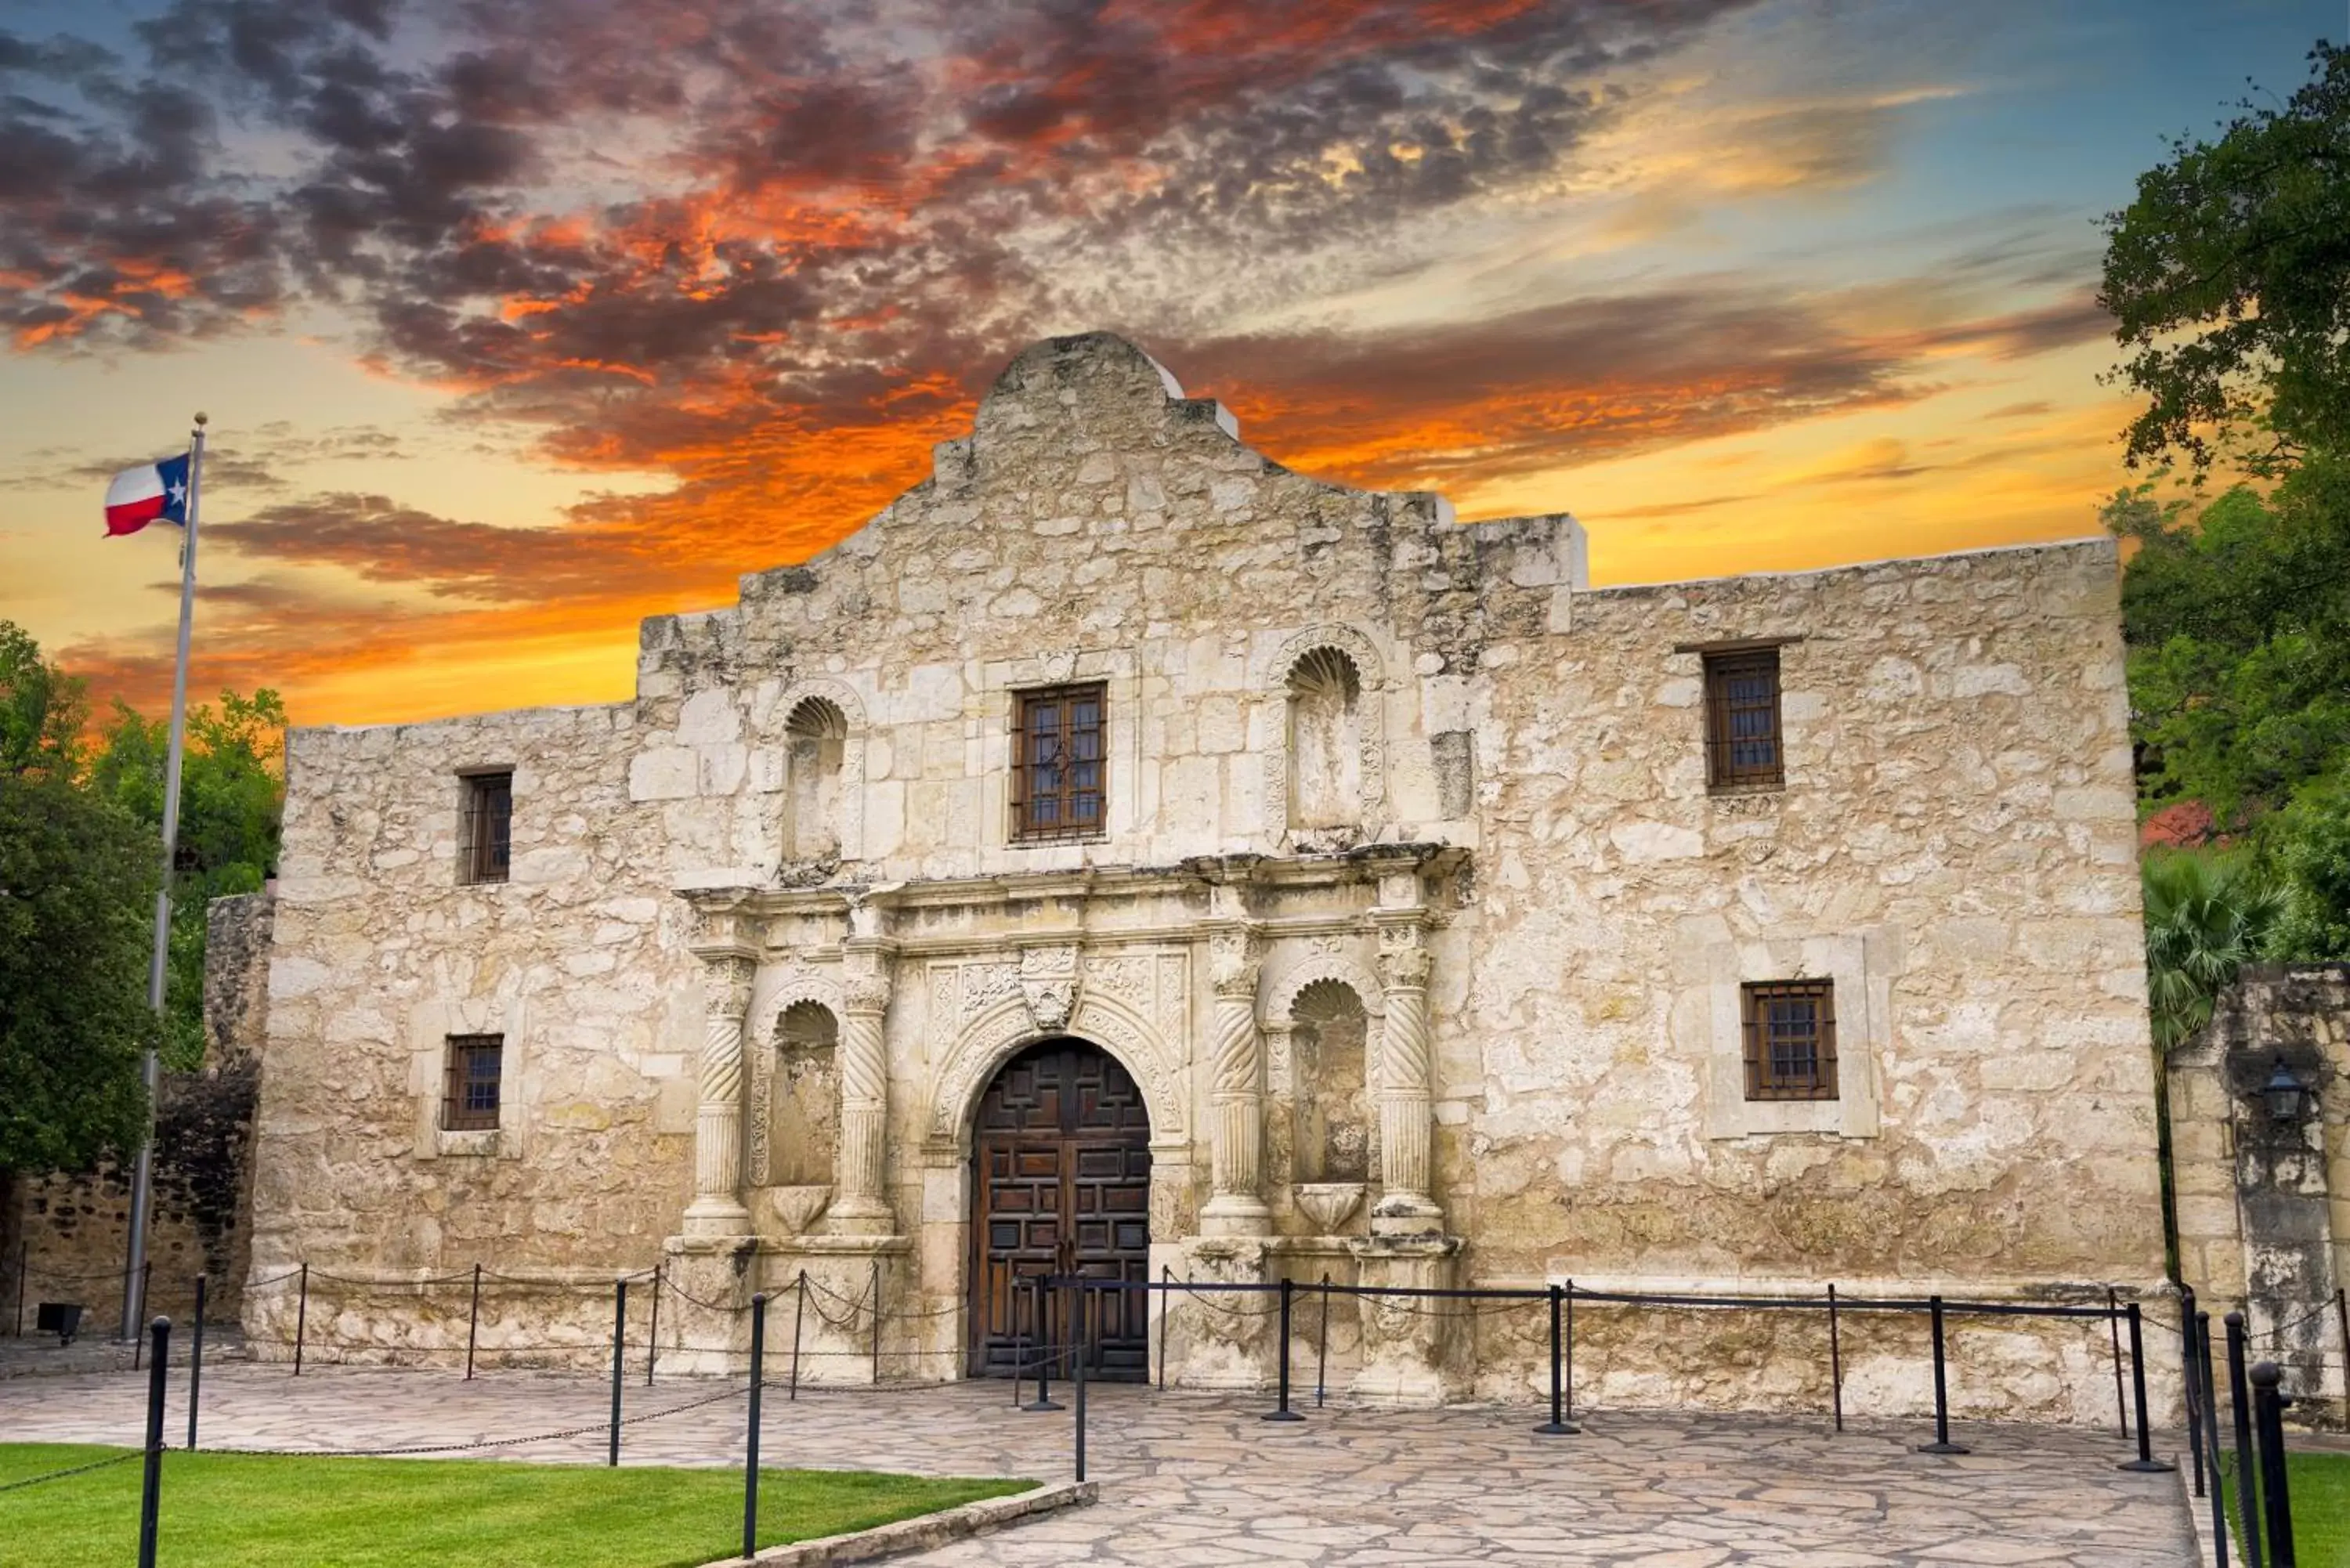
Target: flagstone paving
[1197,1481]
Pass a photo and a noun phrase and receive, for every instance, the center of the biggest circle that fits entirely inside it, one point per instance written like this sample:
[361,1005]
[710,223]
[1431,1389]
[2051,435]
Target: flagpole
[134,1268]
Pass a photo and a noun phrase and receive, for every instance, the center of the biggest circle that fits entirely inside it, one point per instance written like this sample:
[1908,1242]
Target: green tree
[77,879]
[232,791]
[2207,916]
[2310,842]
[2229,279]
[2238,622]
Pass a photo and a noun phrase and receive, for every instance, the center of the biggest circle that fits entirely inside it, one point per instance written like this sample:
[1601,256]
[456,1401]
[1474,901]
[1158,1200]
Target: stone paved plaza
[1199,1481]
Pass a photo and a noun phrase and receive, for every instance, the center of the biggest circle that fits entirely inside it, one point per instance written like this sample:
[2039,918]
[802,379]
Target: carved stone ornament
[1404,957]
[1048,980]
[1233,958]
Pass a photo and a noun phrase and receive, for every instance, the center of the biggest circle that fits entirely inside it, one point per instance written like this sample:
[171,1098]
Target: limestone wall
[1315,677]
[380,954]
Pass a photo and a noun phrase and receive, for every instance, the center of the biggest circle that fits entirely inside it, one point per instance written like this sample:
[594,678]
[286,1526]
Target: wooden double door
[1061,1186]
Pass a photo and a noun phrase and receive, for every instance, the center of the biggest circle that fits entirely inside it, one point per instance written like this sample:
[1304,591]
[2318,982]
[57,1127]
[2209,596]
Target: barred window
[1791,1040]
[469,1095]
[1741,721]
[486,832]
[1056,775]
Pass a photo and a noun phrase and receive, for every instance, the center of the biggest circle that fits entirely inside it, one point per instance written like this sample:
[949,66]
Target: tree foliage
[232,791]
[2207,916]
[76,888]
[2229,278]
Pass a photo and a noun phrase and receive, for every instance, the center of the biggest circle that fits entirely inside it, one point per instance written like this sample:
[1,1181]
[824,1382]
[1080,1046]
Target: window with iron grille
[1741,721]
[485,834]
[1056,774]
[1791,1040]
[468,1094]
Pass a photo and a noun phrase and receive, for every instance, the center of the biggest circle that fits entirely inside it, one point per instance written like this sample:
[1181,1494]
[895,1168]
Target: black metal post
[1020,1333]
[301,1320]
[151,1485]
[2194,1388]
[1835,1361]
[1558,1426]
[652,1330]
[473,1323]
[2276,1498]
[23,1267]
[2240,1402]
[1038,1319]
[619,1361]
[876,1319]
[751,1441]
[2212,1436]
[1322,1346]
[2340,1318]
[2145,1460]
[1282,1412]
[1941,1443]
[2114,1326]
[1079,1374]
[196,1365]
[799,1311]
[1166,1319]
[1569,1356]
[146,1294]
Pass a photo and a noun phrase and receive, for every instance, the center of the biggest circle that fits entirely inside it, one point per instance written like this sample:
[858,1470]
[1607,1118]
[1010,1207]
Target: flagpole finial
[204,418]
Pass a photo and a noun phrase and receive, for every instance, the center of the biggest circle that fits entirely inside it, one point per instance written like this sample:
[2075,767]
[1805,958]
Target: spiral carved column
[1236,1206]
[1406,1085]
[860,1205]
[717,1208]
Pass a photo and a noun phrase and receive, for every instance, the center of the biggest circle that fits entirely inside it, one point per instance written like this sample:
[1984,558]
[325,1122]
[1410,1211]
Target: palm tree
[2207,916]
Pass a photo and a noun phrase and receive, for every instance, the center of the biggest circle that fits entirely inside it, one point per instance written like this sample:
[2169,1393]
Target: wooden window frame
[485,834]
[1770,1075]
[1066,824]
[1725,771]
[461,1107]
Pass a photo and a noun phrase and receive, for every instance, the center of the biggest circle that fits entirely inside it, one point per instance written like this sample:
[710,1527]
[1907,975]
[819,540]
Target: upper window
[1743,750]
[469,1095]
[1791,1040]
[1056,776]
[486,834]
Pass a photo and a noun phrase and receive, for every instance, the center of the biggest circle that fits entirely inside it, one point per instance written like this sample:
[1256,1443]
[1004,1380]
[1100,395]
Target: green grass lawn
[2320,1485]
[258,1511]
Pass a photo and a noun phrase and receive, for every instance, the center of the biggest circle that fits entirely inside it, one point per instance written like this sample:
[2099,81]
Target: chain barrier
[76,1470]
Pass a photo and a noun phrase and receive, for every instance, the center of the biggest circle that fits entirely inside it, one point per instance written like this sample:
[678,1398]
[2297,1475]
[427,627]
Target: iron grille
[1791,1040]
[486,833]
[1743,748]
[469,1095]
[1057,779]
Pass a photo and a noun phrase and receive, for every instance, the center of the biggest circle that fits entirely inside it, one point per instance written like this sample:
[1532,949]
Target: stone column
[1237,1206]
[1407,1081]
[860,1205]
[717,1207]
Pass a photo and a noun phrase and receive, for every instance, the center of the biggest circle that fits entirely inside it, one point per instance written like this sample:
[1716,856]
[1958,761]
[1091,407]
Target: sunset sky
[520,319]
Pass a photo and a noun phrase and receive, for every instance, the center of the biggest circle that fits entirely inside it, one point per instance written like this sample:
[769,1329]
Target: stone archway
[1060,1185]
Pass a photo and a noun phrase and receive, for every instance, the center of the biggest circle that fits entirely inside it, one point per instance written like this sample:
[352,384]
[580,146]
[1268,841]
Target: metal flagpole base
[1944,1448]
[1556,1429]
[1281,1416]
[2145,1467]
[1034,1406]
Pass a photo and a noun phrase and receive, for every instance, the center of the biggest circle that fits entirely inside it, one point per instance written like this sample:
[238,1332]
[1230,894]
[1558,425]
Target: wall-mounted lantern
[2288,1099]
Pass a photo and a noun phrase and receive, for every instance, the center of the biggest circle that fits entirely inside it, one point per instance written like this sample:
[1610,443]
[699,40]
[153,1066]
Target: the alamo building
[1125,856]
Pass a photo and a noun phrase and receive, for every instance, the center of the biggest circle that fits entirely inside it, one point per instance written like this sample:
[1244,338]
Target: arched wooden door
[1061,1185]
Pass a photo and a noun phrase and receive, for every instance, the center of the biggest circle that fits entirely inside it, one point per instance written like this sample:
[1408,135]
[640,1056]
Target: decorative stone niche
[803,1115]
[816,744]
[1330,1038]
[1325,741]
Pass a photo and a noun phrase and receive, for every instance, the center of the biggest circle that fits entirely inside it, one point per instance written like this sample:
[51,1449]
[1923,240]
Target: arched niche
[1334,1115]
[794,1032]
[816,748]
[1329,774]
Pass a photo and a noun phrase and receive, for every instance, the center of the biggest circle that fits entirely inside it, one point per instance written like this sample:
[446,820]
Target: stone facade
[2264,1204]
[1410,913]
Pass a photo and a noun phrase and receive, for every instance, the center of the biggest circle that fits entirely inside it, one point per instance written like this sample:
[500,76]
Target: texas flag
[139,495]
